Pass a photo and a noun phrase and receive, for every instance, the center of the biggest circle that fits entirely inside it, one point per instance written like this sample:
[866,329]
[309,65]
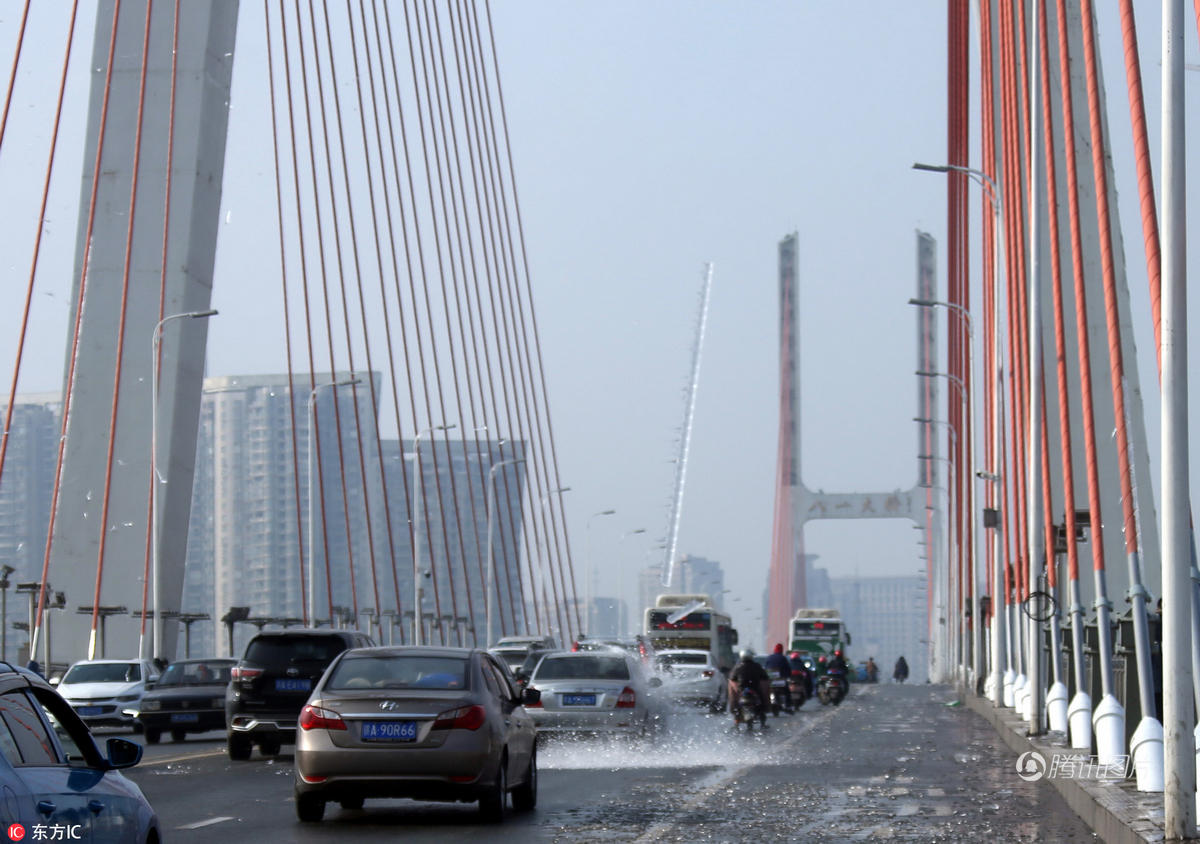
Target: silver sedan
[693,677]
[421,722]
[593,691]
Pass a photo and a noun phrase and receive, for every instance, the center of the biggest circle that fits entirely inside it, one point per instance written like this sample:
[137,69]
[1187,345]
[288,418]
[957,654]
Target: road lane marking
[166,760]
[204,823]
[719,778]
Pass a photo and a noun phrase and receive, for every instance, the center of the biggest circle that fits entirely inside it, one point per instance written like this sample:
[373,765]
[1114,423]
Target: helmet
[747,654]
[838,652]
[794,655]
[778,647]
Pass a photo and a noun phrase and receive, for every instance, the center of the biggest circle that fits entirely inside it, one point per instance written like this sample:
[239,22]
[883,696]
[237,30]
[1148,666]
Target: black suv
[271,683]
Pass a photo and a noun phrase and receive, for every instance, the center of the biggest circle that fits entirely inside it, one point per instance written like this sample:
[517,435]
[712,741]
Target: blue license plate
[185,717]
[292,684]
[90,710]
[389,730]
[579,700]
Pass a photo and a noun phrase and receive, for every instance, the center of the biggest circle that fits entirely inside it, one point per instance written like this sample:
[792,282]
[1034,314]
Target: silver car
[422,722]
[692,677]
[594,691]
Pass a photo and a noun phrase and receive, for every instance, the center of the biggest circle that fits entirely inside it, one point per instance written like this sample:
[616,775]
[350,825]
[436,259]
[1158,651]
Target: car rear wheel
[239,746]
[494,804]
[179,735]
[309,808]
[524,796]
[152,736]
[269,747]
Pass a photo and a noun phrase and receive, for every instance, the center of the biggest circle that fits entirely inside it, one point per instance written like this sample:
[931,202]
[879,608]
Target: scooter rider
[776,661]
[749,673]
[837,662]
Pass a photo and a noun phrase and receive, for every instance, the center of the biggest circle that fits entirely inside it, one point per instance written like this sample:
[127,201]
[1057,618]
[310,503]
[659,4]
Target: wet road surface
[892,763]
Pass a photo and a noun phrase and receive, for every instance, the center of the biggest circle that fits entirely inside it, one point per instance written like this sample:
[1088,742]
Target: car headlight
[127,698]
[151,705]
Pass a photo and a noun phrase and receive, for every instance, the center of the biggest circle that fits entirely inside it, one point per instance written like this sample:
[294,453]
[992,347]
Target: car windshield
[671,660]
[399,672]
[512,658]
[272,650]
[582,668]
[194,674]
[104,672]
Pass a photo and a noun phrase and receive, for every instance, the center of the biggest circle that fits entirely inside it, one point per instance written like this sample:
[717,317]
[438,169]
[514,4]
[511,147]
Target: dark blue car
[57,783]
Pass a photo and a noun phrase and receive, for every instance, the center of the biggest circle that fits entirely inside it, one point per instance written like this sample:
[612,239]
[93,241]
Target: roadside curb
[1116,811]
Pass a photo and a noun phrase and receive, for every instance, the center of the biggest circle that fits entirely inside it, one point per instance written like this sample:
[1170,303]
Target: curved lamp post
[156,477]
[310,605]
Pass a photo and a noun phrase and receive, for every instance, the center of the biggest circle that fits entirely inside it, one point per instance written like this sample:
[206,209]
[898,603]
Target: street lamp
[965,315]
[491,557]
[4,584]
[964,398]
[156,477]
[587,592]
[998,589]
[310,607]
[621,572]
[544,562]
[416,526]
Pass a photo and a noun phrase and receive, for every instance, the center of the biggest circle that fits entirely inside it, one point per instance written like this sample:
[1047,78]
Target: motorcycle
[745,710]
[832,687]
[798,689]
[781,699]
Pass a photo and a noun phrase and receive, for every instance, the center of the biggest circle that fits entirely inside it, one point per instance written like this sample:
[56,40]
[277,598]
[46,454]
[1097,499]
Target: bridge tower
[795,504]
[120,273]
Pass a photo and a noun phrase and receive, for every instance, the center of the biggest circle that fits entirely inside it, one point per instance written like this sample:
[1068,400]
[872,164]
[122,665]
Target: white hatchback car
[100,690]
[691,676]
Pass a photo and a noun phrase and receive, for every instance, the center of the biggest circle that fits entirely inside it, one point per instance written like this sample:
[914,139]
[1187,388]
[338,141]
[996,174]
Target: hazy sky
[648,139]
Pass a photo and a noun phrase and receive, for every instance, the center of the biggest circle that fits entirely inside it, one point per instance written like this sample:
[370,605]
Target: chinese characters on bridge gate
[46,832]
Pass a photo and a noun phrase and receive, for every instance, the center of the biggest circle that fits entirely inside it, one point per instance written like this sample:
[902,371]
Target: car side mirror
[150,684]
[54,681]
[123,753]
[530,696]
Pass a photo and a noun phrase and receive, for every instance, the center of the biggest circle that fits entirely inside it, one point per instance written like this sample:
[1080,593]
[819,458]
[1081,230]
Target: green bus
[819,632]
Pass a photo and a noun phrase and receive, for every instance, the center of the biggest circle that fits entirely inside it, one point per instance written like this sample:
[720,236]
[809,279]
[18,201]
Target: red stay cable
[313,423]
[1060,341]
[120,352]
[83,278]
[327,313]
[1083,345]
[12,76]
[37,237]
[162,297]
[498,265]
[1112,316]
[482,201]
[520,236]
[990,270]
[287,324]
[378,252]
[1141,146]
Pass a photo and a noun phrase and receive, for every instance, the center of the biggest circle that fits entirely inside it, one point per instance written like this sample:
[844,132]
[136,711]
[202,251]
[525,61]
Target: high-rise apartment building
[25,491]
[699,576]
[886,618]
[252,524]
